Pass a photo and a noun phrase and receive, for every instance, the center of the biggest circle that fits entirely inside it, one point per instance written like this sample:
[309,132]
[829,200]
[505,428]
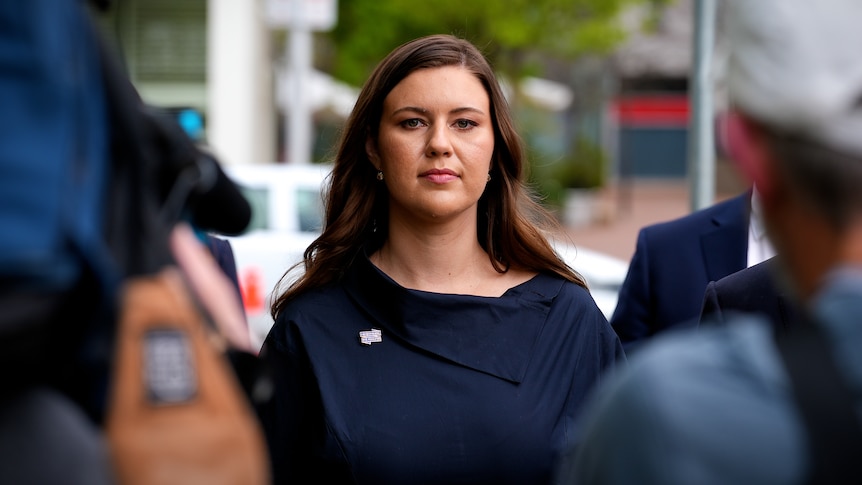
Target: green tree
[519,37]
[516,35]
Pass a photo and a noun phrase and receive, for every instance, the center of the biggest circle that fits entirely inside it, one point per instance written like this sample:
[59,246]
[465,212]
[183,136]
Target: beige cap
[796,65]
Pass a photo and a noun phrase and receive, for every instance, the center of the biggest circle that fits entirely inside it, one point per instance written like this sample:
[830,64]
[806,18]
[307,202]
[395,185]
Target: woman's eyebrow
[412,109]
[467,108]
[415,109]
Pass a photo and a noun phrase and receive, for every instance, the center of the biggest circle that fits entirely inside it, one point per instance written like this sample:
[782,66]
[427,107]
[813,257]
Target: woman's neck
[445,258]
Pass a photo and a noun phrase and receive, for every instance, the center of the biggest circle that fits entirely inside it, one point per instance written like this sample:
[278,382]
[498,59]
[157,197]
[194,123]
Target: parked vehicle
[288,211]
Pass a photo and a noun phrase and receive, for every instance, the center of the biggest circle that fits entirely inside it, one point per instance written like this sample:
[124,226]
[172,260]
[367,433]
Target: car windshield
[258,198]
[310,208]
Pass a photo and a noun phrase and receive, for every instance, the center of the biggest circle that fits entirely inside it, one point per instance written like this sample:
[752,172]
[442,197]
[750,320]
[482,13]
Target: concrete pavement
[621,210]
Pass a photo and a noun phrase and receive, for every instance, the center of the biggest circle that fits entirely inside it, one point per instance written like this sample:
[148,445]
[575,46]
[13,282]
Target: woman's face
[435,142]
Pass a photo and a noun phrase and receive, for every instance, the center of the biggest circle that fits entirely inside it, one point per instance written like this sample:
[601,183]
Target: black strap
[827,406]
[136,234]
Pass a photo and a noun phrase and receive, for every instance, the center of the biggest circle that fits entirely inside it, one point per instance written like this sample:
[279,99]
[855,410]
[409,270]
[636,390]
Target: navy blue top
[459,389]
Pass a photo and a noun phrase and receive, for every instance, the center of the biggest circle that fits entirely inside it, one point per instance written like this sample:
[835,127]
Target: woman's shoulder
[305,313]
[573,302]
[563,297]
[315,301]
[555,285]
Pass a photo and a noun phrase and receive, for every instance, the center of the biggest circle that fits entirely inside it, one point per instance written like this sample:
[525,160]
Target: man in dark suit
[223,254]
[673,263]
[751,290]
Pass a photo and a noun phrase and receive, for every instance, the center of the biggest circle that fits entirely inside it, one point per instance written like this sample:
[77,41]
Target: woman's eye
[412,123]
[464,124]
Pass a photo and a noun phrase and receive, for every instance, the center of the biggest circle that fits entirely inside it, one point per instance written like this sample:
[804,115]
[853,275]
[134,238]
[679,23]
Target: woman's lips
[439,176]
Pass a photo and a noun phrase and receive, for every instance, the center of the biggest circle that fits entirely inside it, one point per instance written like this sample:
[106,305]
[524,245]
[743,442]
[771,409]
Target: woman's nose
[439,143]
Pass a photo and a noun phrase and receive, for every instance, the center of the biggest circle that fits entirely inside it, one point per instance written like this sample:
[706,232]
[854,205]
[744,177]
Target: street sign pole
[299,115]
[701,148]
[301,17]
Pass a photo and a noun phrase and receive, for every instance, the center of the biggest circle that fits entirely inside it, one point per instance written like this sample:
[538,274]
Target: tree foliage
[516,35]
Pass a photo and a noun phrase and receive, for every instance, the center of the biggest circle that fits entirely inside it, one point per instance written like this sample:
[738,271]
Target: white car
[287,216]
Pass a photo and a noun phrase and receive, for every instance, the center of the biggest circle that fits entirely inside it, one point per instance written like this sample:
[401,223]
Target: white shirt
[759,247]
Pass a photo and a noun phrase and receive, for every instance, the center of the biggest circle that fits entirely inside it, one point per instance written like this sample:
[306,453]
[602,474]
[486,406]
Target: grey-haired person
[727,404]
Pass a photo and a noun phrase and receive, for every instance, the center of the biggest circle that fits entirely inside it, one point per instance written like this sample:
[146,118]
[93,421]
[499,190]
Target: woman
[435,336]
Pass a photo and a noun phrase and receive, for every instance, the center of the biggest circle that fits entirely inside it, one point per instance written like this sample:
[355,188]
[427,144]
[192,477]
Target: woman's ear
[371,152]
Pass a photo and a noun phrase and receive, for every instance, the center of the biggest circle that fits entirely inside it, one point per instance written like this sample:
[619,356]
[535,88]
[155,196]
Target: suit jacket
[223,254]
[751,290]
[672,264]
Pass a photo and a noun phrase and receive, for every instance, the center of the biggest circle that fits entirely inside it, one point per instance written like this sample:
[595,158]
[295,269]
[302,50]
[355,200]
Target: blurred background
[600,88]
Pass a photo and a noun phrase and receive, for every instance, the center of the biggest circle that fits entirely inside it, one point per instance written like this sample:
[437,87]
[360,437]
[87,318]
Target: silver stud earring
[379,175]
[489,177]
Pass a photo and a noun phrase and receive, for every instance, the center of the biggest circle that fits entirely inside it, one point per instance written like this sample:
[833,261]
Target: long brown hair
[511,224]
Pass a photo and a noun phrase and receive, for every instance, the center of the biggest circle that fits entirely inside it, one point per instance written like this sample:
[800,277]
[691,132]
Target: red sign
[657,110]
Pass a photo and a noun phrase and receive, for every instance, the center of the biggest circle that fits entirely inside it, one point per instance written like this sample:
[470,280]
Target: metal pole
[299,113]
[701,148]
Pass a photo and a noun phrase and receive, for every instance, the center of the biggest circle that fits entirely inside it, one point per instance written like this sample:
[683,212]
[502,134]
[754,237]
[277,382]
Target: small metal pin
[368,337]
